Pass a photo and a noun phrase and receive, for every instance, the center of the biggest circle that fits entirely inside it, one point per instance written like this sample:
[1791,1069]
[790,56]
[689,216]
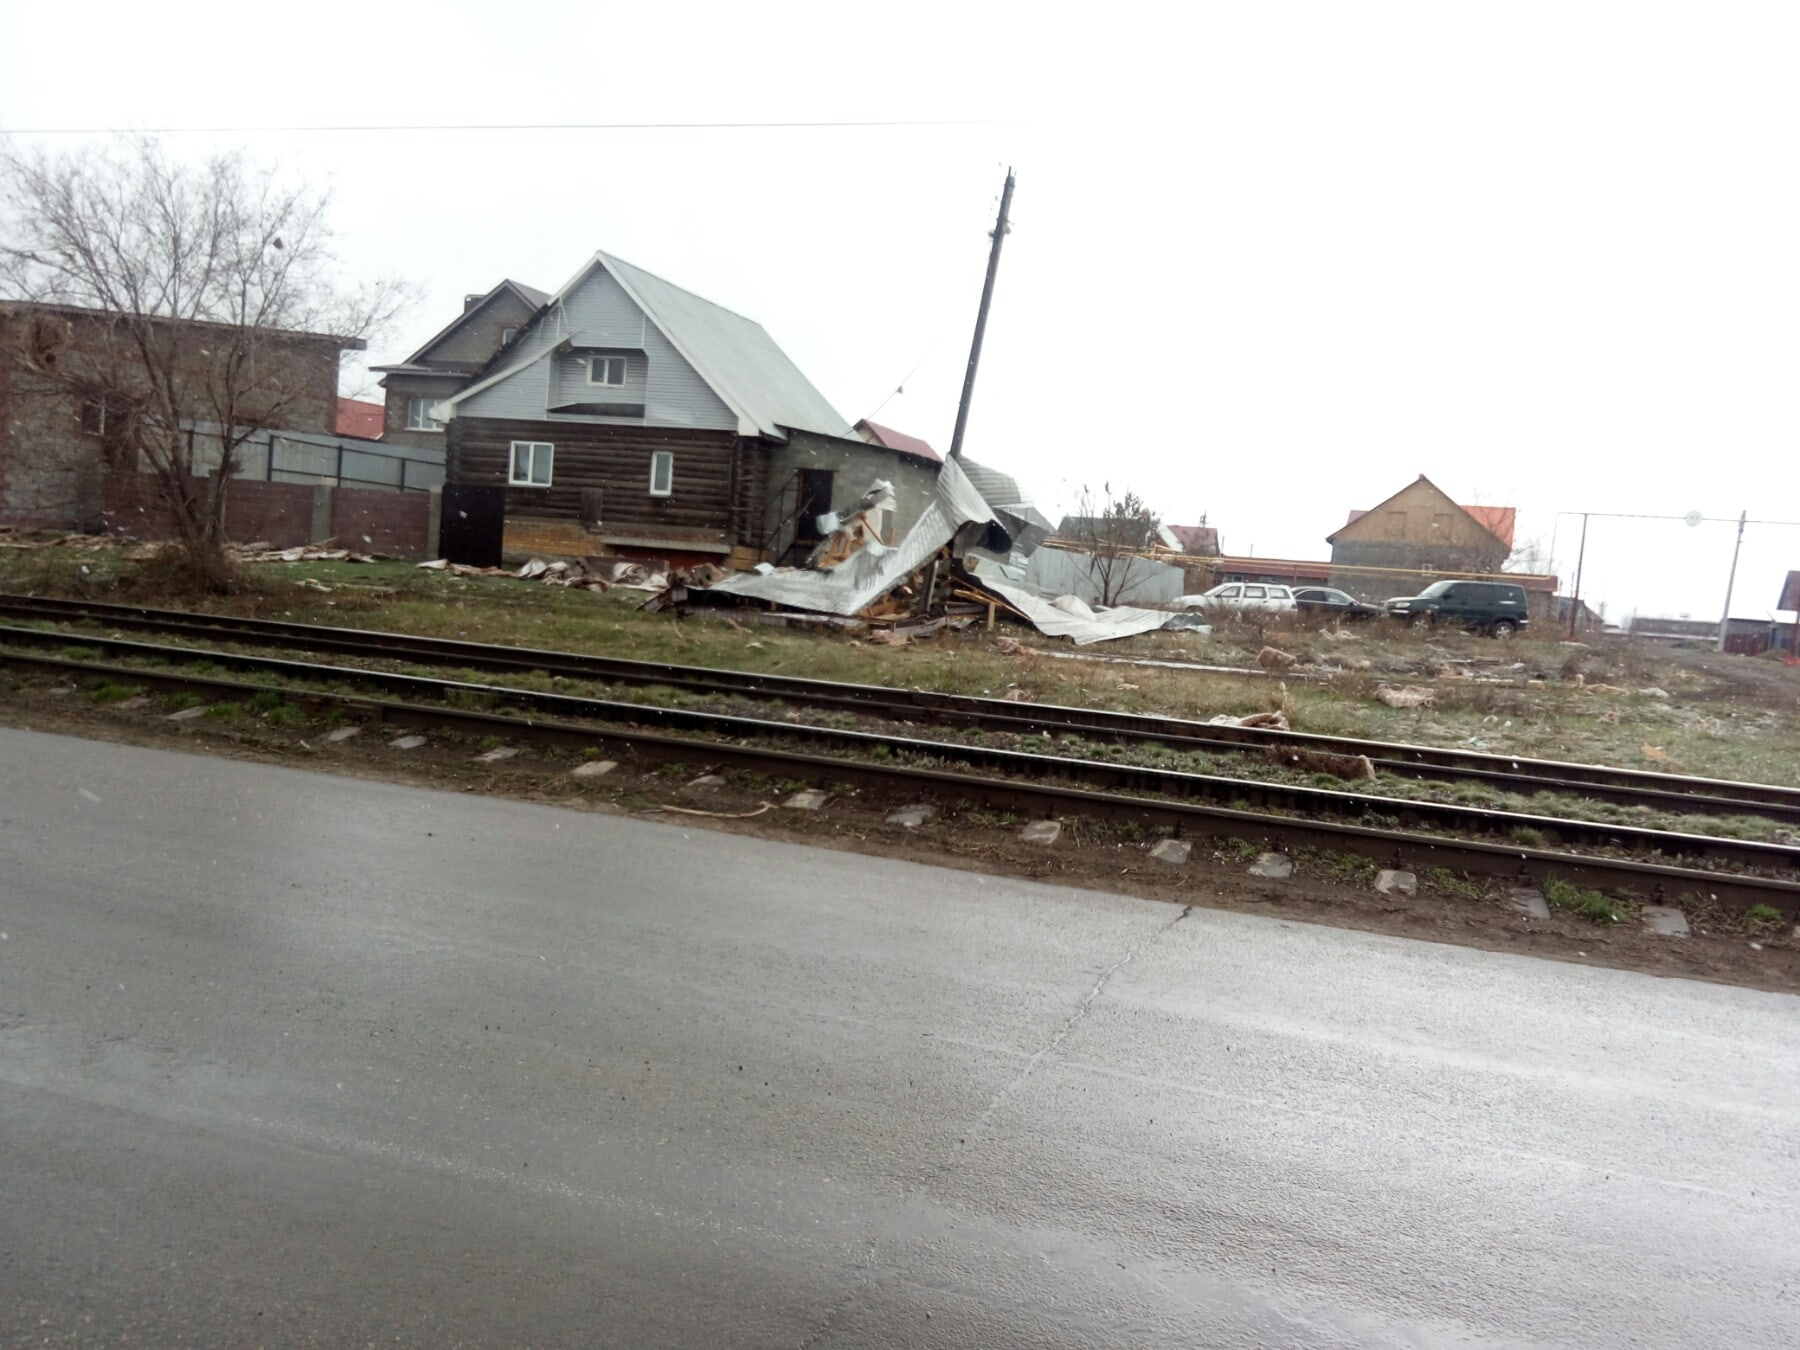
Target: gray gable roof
[735,356]
[531,295]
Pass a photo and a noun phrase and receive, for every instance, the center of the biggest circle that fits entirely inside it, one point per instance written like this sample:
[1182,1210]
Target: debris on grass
[1405,696]
[1354,768]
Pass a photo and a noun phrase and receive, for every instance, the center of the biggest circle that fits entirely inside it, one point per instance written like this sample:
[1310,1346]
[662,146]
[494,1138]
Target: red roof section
[366,421]
[898,440]
[1196,539]
[1496,520]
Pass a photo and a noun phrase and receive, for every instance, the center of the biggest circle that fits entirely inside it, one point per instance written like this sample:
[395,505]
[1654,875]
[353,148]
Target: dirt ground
[1723,947]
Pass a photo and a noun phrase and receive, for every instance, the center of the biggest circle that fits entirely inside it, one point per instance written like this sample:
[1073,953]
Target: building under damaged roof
[962,547]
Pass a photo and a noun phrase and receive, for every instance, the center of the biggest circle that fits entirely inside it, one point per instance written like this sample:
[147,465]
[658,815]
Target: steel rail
[1392,847]
[1102,774]
[1629,787]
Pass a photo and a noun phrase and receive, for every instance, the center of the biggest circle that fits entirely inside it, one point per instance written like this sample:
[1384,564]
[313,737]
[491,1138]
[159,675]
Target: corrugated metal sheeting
[959,514]
[875,569]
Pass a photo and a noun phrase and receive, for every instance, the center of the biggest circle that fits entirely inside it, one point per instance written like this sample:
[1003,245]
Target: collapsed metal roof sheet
[958,511]
[1057,620]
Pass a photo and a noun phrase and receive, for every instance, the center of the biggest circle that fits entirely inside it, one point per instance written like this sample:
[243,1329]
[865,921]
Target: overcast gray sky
[1270,261]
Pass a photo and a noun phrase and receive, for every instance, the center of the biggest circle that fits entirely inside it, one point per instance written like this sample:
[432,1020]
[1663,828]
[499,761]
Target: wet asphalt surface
[287,1058]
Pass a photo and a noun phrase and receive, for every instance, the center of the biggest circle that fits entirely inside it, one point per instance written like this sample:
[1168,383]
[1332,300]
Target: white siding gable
[597,313]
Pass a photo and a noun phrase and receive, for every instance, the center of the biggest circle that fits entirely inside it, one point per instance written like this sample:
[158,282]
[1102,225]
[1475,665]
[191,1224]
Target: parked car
[1496,608]
[1333,603]
[1241,595]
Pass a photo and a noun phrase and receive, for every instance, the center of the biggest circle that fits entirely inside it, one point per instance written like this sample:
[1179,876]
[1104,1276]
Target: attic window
[508,333]
[662,473]
[606,370]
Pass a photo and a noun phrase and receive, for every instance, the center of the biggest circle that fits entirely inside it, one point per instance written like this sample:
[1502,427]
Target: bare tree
[161,295]
[1115,532]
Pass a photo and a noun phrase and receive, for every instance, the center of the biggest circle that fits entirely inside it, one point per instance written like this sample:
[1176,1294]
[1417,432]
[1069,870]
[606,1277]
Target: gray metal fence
[336,461]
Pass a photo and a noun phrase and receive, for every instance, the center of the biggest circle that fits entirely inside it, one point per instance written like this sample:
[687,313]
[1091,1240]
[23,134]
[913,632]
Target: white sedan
[1241,595]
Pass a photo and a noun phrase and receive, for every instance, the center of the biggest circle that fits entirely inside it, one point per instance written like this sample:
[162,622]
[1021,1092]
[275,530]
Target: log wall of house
[718,481]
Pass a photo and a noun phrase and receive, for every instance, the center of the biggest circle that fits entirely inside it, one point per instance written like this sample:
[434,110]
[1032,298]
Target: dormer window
[607,370]
[508,333]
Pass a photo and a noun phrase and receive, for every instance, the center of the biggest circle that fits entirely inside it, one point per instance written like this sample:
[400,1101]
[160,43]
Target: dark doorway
[815,501]
[472,524]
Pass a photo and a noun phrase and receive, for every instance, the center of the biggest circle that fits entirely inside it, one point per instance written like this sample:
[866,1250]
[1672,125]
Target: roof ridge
[611,258]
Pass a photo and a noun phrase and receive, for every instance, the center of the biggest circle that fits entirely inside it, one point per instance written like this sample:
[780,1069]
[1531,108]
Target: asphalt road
[287,1058]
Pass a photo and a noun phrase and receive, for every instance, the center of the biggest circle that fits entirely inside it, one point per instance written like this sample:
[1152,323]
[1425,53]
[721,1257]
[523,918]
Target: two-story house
[70,375]
[1420,529]
[452,356]
[628,415]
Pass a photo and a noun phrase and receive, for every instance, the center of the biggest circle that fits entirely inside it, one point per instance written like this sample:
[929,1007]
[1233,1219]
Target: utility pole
[987,296]
[1731,581]
[1580,558]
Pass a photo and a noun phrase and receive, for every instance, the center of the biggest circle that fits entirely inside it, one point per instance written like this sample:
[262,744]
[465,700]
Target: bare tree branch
[1114,532]
[196,279]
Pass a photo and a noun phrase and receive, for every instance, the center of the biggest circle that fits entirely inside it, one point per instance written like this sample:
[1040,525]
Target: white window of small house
[662,473]
[418,415]
[507,334]
[606,370]
[531,463]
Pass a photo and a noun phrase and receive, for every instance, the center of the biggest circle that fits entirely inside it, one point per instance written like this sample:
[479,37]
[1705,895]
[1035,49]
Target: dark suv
[1496,608]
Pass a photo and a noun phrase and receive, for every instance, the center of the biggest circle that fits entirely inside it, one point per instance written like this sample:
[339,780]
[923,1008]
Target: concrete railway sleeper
[152,665]
[1671,793]
[1656,881]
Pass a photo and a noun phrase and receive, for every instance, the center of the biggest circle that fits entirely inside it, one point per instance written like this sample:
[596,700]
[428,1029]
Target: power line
[491,126]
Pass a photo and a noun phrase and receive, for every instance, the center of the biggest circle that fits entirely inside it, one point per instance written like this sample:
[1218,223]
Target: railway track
[1656,862]
[1669,793]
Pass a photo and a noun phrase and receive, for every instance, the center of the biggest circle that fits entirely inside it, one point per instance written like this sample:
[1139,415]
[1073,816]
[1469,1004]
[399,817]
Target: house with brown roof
[1420,529]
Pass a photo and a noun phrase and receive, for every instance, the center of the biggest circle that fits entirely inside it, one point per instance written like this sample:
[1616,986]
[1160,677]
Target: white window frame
[533,448]
[418,414]
[665,460]
[508,334]
[610,361]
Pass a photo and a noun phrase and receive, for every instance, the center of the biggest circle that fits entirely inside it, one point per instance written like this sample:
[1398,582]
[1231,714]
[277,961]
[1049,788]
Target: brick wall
[285,515]
[370,520]
[52,469]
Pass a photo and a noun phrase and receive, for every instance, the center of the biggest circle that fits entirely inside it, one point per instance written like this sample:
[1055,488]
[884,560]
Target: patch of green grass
[265,700]
[1349,867]
[989,819]
[284,715]
[108,692]
[224,712]
[1764,914]
[1528,835]
[1241,849]
[1455,884]
[471,700]
[1589,904]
